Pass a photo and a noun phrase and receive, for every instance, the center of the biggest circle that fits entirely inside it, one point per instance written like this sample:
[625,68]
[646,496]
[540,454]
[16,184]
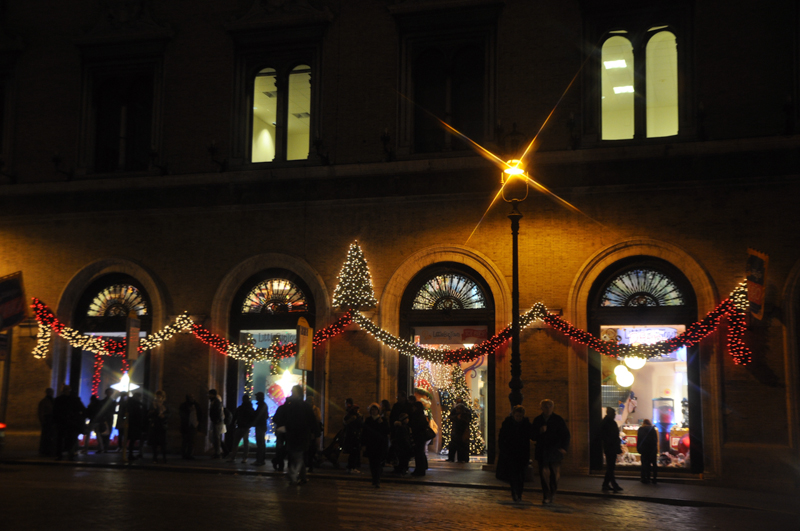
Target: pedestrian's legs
[609,481]
[555,475]
[261,445]
[375,468]
[215,439]
[354,458]
[245,443]
[297,469]
[544,478]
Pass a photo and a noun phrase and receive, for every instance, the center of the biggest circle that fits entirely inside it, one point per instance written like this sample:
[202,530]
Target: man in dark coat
[460,418]
[69,416]
[108,406]
[190,419]
[297,420]
[260,423]
[243,420]
[48,436]
[647,447]
[419,425]
[401,443]
[375,437]
[353,421]
[137,424]
[612,447]
[552,440]
[514,443]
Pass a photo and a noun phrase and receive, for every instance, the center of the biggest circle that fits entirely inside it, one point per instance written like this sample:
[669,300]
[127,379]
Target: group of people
[389,435]
[64,418]
[551,434]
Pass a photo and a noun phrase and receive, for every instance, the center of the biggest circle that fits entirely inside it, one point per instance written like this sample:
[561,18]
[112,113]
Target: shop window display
[655,389]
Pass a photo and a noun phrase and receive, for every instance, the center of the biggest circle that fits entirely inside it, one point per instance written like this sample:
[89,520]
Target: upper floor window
[622,87]
[446,75]
[117,300]
[642,287]
[281,123]
[275,296]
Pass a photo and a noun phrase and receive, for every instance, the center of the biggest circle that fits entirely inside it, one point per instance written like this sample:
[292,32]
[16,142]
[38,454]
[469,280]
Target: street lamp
[515,190]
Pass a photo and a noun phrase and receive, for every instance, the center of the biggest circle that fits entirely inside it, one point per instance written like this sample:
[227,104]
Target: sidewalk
[471,475]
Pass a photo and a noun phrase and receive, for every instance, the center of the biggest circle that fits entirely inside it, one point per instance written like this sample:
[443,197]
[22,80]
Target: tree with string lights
[449,397]
[354,290]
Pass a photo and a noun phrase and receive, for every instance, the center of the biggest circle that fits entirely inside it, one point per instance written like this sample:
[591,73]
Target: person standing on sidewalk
[108,406]
[260,423]
[48,437]
[69,416]
[647,447]
[353,421]
[190,419]
[552,440]
[158,416]
[216,424]
[375,436]
[243,420]
[514,443]
[612,447]
[420,434]
[297,421]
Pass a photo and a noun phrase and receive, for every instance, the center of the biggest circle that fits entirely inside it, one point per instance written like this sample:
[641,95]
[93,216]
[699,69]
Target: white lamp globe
[619,370]
[635,362]
[625,380]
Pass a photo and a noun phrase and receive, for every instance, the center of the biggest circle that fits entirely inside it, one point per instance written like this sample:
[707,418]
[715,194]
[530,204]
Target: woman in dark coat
[375,437]
[419,426]
[515,451]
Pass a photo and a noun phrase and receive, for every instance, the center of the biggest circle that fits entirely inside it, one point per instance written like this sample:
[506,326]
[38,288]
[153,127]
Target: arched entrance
[264,310]
[642,300]
[449,305]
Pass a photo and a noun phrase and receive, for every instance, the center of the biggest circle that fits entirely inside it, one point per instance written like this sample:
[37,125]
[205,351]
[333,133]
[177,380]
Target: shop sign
[132,336]
[450,335]
[305,346]
[12,301]
[756,281]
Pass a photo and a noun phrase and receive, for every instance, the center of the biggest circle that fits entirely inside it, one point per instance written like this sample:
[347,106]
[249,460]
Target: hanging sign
[305,346]
[756,281]
[12,301]
[132,335]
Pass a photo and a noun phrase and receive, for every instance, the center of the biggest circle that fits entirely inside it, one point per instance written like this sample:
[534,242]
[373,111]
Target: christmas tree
[355,283]
[448,398]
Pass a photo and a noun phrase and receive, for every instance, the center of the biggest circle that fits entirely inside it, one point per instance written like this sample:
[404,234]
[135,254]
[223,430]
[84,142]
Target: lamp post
[513,193]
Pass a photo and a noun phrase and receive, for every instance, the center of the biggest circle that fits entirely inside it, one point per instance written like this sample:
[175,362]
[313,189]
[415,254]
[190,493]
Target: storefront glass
[656,390]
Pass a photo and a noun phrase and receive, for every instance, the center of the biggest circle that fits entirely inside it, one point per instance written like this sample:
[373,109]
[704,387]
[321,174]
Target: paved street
[65,497]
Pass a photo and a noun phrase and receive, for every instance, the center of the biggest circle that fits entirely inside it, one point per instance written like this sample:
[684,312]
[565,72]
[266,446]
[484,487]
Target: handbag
[429,433]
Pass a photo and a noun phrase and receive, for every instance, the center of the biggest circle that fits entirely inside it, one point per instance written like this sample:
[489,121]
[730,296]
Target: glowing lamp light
[627,89]
[635,362]
[625,379]
[286,382]
[619,370]
[620,63]
[125,385]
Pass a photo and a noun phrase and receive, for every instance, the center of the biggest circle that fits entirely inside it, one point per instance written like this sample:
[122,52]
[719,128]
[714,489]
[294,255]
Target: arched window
[616,76]
[449,306]
[265,115]
[299,117]
[118,300]
[449,291]
[642,287]
[266,309]
[662,85]
[644,300]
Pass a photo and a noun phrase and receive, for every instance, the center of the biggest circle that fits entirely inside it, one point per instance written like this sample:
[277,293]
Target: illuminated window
[449,292]
[281,115]
[616,74]
[642,287]
[118,300]
[662,85]
[275,296]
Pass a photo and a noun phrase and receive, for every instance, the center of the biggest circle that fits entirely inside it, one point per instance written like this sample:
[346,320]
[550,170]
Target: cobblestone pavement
[47,497]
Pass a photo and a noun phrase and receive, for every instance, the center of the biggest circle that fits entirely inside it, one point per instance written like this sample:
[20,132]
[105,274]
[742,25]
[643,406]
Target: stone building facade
[131,156]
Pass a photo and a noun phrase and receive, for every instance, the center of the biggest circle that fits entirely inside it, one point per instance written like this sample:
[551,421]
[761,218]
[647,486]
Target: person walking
[278,427]
[108,407]
[612,447]
[311,455]
[48,435]
[243,420]
[96,425]
[460,417]
[260,423]
[353,422]
[647,447]
[216,423]
[69,416]
[552,436]
[514,443]
[137,424]
[420,435]
[158,416]
[297,421]
[375,437]
[190,419]
[401,444]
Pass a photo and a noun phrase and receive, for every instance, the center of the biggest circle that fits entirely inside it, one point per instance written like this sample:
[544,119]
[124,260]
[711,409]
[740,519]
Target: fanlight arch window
[449,291]
[642,287]
[118,300]
[275,296]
